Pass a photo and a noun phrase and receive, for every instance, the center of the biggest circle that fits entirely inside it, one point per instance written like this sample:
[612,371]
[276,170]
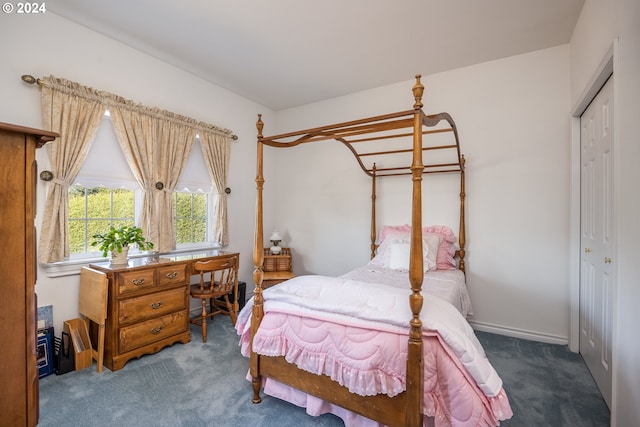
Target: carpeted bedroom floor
[204,385]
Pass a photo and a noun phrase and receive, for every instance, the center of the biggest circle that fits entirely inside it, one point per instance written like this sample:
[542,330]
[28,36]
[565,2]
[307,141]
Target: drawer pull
[172,275]
[138,282]
[156,305]
[156,331]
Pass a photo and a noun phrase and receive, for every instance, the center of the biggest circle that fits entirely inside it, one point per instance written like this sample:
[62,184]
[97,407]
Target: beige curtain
[137,135]
[176,142]
[75,112]
[156,148]
[216,149]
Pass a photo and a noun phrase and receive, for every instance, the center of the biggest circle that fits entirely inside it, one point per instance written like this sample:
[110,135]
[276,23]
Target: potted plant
[118,240]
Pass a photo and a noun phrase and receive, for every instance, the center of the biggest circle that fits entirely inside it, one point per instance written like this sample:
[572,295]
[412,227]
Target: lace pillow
[444,253]
[394,253]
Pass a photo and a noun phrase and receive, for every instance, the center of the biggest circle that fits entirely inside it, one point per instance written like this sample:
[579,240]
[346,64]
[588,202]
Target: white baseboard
[519,333]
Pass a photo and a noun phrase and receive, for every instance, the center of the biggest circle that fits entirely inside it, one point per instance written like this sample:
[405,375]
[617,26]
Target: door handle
[587,250]
[607,260]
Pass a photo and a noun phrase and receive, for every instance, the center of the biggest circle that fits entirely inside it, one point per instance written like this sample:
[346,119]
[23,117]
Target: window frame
[208,243]
[137,200]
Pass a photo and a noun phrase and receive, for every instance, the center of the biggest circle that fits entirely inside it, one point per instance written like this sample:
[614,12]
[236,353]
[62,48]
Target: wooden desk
[148,304]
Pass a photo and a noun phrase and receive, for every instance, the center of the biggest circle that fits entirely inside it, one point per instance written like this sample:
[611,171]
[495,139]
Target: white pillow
[382,255]
[399,254]
[398,251]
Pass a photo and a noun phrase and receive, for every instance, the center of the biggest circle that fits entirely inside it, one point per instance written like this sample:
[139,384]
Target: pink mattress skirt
[316,407]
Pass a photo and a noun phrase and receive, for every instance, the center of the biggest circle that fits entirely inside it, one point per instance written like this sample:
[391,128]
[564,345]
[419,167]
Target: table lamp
[275,239]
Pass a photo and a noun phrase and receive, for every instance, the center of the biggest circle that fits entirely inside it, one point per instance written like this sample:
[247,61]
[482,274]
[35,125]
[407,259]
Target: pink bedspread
[460,390]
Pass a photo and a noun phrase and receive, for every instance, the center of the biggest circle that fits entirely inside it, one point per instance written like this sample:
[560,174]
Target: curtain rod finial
[28,78]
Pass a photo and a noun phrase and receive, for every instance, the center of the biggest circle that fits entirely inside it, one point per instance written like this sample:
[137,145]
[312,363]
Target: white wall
[599,24]
[48,44]
[512,116]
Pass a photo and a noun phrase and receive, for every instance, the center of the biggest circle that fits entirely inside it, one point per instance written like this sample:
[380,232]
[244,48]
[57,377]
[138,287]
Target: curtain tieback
[60,182]
[160,186]
[150,189]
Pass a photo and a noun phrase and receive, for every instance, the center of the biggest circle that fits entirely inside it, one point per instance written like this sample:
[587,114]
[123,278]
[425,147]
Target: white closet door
[597,227]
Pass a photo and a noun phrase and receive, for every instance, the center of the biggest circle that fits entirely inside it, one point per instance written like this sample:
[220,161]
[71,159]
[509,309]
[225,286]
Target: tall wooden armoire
[18,370]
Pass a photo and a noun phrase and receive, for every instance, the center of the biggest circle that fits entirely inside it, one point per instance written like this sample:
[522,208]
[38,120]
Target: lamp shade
[275,236]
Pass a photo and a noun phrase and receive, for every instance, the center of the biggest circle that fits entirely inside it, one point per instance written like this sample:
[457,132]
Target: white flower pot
[119,258]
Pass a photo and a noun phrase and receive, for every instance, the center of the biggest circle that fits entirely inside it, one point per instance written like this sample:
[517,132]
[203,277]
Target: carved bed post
[415,373]
[258,259]
[373,212]
[462,232]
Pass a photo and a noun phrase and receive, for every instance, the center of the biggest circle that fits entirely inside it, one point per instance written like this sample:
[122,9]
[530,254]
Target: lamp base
[275,250]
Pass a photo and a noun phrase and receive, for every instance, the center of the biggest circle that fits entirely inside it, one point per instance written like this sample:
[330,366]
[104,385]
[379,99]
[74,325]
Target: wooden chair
[215,290]
[92,306]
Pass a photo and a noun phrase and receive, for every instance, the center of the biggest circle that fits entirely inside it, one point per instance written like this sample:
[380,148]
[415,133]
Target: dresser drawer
[149,306]
[135,281]
[148,332]
[172,275]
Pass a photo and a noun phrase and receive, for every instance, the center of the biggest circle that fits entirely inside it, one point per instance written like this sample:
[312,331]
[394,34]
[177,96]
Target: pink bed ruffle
[316,407]
[369,362]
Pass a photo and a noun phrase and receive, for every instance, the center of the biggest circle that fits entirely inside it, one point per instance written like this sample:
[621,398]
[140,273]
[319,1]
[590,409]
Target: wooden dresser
[18,370]
[148,305]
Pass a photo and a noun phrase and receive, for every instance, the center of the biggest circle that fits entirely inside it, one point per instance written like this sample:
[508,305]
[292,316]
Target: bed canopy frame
[359,136]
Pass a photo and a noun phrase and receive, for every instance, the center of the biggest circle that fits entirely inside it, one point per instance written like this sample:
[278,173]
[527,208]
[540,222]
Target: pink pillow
[389,229]
[447,250]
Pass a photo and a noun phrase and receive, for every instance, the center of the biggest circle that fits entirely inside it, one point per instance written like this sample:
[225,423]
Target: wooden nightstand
[277,268]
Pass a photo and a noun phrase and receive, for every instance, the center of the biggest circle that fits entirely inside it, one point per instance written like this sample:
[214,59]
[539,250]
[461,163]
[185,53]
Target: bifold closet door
[597,281]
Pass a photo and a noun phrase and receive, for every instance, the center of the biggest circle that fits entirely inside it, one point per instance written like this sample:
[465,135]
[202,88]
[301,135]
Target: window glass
[93,211]
[190,217]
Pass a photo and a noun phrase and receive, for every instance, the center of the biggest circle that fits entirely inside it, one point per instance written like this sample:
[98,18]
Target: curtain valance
[110,100]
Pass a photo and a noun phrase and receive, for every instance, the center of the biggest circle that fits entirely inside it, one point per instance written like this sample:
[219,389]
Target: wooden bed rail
[384,127]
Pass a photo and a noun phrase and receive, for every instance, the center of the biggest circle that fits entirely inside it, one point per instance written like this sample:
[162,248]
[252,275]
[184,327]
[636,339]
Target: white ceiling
[286,53]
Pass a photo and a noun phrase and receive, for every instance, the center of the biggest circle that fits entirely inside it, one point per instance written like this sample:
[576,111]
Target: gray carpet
[547,386]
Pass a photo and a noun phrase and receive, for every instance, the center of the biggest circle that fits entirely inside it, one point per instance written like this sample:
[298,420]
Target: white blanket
[380,307]
[447,284]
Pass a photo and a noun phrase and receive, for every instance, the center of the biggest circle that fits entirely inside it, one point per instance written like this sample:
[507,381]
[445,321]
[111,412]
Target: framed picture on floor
[44,352]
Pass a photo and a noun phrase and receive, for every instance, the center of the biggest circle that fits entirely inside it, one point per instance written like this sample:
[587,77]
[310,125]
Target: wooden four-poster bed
[446,374]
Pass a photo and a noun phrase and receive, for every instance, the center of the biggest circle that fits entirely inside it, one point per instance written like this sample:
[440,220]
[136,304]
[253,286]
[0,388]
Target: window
[190,217]
[93,211]
[106,193]
[193,201]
